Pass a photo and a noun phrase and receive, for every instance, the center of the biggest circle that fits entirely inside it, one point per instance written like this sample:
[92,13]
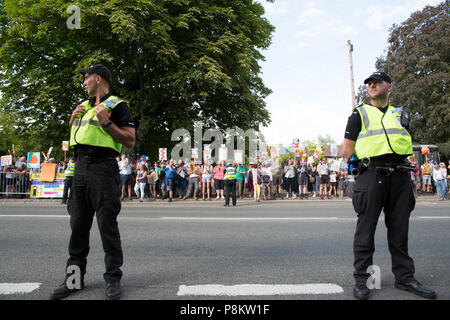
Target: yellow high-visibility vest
[87,130]
[382,133]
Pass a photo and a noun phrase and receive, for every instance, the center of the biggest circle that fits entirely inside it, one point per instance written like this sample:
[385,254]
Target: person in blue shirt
[170,175]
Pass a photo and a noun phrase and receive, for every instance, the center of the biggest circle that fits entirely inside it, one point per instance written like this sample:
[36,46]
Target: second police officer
[377,135]
[230,184]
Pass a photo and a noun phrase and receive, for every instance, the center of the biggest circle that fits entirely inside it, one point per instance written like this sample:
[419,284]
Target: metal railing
[12,183]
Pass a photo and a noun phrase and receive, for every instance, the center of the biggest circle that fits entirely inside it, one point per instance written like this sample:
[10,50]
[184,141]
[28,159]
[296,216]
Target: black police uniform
[374,191]
[95,189]
[230,190]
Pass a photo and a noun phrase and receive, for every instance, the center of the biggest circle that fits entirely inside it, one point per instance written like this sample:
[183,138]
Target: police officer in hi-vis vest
[377,137]
[230,184]
[98,129]
[68,178]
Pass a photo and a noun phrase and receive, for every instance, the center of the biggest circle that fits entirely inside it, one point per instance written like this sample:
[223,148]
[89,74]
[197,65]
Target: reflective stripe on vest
[381,133]
[87,130]
[70,171]
[230,174]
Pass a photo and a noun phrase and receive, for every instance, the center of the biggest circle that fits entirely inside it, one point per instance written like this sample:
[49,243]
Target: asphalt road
[186,243]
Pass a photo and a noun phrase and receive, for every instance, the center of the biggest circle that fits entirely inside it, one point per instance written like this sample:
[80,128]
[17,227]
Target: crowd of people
[260,181]
[144,179]
[15,177]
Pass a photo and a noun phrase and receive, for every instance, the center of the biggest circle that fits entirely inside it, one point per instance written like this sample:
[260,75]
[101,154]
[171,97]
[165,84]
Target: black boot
[360,291]
[63,291]
[113,290]
[417,288]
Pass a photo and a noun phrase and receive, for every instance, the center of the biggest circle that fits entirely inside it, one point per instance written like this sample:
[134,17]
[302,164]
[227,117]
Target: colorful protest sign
[6,160]
[48,171]
[34,160]
[207,155]
[273,151]
[44,189]
[162,154]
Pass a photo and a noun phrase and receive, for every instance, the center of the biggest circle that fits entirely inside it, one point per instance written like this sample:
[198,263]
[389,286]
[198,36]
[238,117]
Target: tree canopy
[418,60]
[175,61]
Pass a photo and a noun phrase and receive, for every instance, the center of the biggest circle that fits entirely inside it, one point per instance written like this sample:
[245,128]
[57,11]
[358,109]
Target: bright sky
[307,65]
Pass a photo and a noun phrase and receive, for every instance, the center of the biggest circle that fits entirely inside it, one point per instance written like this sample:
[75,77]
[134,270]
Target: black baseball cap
[99,69]
[378,76]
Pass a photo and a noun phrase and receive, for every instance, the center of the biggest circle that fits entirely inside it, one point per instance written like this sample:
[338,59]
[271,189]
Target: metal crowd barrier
[12,183]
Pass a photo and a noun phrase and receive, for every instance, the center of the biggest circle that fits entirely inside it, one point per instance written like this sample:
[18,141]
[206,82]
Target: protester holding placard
[323,170]
[125,175]
[193,173]
[289,173]
[302,181]
[207,171]
[266,175]
[218,175]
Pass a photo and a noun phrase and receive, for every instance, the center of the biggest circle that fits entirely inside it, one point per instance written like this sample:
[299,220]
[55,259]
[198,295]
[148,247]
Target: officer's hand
[79,110]
[102,114]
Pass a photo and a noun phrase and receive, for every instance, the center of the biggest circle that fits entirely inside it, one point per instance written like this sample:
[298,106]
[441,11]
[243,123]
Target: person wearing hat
[379,132]
[68,175]
[230,184]
[99,127]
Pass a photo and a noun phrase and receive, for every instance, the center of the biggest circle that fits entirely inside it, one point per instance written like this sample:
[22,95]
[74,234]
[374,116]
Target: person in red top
[218,175]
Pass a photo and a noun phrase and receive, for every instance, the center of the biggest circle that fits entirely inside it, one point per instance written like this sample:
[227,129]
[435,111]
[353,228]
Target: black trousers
[67,186]
[95,190]
[375,191]
[230,189]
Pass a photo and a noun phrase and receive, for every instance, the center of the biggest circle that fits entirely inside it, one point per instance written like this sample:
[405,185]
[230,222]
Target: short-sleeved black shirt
[121,117]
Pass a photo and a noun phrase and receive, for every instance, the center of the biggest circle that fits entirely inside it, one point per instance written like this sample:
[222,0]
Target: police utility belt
[359,166]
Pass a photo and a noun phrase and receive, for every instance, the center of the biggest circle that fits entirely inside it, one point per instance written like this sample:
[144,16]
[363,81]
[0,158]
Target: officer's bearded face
[379,89]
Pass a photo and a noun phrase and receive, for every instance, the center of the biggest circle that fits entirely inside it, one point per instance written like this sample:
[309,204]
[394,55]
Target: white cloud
[295,45]
[305,34]
[379,17]
[338,27]
[311,11]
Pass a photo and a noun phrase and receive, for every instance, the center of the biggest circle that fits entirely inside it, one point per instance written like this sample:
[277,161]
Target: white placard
[239,156]
[223,154]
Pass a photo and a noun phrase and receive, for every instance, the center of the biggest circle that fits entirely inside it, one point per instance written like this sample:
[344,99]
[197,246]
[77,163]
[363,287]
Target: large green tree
[175,61]
[418,60]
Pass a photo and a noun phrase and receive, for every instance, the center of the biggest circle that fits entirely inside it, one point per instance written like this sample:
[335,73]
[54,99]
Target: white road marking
[18,288]
[33,216]
[250,218]
[430,217]
[258,289]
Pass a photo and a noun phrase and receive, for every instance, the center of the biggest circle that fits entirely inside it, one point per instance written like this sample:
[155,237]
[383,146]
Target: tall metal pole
[350,50]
